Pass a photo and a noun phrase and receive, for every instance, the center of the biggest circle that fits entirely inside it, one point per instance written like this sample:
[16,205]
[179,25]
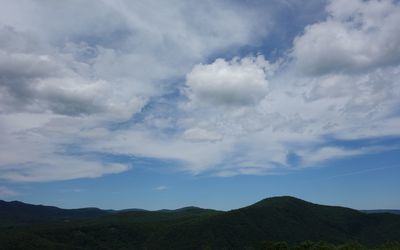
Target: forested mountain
[17,213]
[279,219]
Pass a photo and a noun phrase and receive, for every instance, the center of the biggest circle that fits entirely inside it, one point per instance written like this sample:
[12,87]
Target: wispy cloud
[161,188]
[74,190]
[362,171]
[5,192]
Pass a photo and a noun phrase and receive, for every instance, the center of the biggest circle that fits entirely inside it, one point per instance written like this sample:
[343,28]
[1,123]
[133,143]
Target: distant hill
[274,219]
[19,213]
[380,211]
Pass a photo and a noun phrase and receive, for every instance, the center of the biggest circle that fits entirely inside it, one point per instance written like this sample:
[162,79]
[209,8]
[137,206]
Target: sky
[164,104]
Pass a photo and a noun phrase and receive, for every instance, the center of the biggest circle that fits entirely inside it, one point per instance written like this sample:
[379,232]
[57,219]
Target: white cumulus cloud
[236,82]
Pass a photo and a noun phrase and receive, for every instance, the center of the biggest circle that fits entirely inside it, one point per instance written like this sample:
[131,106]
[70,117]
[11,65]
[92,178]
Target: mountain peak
[279,201]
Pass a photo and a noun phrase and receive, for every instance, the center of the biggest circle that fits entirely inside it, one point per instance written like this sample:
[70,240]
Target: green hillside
[278,219]
[19,213]
[284,219]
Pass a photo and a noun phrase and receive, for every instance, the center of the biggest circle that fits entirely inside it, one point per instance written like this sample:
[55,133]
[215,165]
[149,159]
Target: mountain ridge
[378,211]
[283,218]
[258,203]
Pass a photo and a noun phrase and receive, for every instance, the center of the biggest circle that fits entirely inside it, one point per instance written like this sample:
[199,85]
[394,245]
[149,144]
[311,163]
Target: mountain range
[277,219]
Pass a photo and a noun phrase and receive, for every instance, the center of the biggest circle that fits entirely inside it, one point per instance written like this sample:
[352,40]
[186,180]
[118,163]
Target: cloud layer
[136,81]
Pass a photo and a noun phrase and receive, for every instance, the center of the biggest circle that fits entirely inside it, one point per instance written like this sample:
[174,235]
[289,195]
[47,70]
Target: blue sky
[155,104]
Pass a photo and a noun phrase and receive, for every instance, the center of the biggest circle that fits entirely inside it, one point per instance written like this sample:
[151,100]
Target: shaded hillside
[274,219]
[285,219]
[19,213]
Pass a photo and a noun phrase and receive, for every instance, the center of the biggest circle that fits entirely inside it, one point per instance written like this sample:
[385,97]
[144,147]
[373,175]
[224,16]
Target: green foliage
[281,245]
[279,223]
[19,213]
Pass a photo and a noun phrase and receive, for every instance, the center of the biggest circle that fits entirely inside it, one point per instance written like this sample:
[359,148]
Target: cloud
[73,190]
[313,157]
[360,172]
[42,81]
[357,36]
[299,115]
[161,188]
[33,149]
[117,60]
[311,98]
[199,134]
[64,83]
[124,78]
[192,156]
[59,169]
[5,192]
[232,83]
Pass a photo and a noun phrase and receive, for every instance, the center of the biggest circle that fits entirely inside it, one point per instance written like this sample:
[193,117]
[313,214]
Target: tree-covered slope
[19,213]
[286,219]
[274,219]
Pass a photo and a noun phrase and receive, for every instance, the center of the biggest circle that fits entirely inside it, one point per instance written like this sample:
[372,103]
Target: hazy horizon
[216,104]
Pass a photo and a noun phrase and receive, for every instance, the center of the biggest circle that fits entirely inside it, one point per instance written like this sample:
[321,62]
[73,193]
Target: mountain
[285,219]
[380,211]
[273,219]
[19,213]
